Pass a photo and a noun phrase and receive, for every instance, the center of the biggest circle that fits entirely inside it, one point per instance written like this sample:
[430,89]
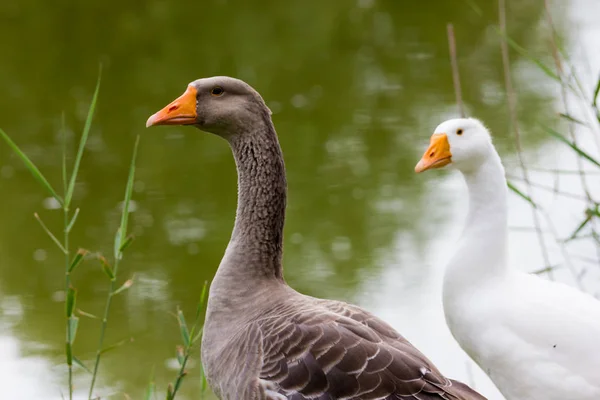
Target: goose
[262,339]
[535,339]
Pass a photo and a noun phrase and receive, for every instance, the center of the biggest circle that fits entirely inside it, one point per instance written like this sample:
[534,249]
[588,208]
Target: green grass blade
[71,295]
[127,243]
[547,70]
[49,233]
[596,91]
[82,142]
[86,314]
[579,228]
[545,270]
[77,259]
[179,352]
[73,324]
[127,200]
[572,119]
[82,365]
[31,167]
[73,219]
[69,351]
[185,333]
[117,246]
[151,389]
[114,346]
[198,335]
[521,194]
[573,146]
[593,211]
[107,268]
[202,300]
[203,383]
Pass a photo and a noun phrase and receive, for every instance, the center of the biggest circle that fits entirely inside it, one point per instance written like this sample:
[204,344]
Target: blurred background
[356,88]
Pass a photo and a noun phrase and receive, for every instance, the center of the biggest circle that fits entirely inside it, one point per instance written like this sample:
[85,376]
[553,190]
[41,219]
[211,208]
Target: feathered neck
[482,249]
[256,245]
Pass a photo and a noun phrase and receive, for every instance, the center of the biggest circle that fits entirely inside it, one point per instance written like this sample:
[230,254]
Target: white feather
[536,339]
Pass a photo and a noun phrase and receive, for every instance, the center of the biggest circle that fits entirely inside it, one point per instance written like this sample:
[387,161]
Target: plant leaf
[106,268]
[545,269]
[117,245]
[185,333]
[170,391]
[579,228]
[198,335]
[127,243]
[547,70]
[73,219]
[521,194]
[127,200]
[31,167]
[566,141]
[50,234]
[82,142]
[114,346]
[596,91]
[202,300]
[151,390]
[572,119]
[77,259]
[73,324]
[82,365]
[86,314]
[180,355]
[128,283]
[71,294]
[69,352]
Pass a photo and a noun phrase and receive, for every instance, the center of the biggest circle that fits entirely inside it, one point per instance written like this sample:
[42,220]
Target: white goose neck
[481,252]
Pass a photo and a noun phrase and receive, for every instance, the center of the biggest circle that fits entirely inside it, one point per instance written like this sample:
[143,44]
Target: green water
[356,88]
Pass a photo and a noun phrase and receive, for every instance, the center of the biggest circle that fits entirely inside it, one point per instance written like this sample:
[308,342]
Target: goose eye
[459,132]
[217,91]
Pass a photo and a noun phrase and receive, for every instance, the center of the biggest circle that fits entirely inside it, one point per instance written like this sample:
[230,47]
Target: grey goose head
[221,105]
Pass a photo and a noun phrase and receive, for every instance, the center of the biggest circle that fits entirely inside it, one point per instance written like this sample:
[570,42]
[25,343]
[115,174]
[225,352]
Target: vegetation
[575,100]
[73,259]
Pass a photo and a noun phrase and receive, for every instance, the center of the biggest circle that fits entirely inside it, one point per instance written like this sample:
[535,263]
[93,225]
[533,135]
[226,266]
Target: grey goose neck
[258,232]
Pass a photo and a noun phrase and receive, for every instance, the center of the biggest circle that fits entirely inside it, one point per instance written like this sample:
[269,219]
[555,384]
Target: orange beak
[437,155]
[182,111]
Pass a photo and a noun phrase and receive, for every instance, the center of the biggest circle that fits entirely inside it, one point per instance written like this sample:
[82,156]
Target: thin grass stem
[512,109]
[112,290]
[67,286]
[455,72]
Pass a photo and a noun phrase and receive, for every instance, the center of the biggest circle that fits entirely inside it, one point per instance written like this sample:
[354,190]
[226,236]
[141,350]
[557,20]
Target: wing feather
[331,350]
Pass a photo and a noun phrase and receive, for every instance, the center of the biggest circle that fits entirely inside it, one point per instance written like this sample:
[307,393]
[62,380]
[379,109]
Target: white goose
[536,339]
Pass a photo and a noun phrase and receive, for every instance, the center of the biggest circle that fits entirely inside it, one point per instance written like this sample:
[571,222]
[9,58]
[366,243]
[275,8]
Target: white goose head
[464,143]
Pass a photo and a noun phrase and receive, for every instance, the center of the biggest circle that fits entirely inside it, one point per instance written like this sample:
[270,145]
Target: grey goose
[262,339]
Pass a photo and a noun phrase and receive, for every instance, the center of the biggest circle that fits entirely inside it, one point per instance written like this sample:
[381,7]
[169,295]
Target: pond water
[356,89]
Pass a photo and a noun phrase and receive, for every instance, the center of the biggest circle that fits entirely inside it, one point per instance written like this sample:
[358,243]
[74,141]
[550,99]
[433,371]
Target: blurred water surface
[356,87]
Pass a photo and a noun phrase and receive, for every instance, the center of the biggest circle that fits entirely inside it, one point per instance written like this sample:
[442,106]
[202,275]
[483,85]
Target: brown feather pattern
[332,350]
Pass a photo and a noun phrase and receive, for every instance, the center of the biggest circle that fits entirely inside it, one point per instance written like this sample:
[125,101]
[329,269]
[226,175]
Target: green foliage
[122,242]
[189,338]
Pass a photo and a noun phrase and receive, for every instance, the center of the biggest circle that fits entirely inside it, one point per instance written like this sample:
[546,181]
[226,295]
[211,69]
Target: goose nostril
[432,154]
[173,108]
